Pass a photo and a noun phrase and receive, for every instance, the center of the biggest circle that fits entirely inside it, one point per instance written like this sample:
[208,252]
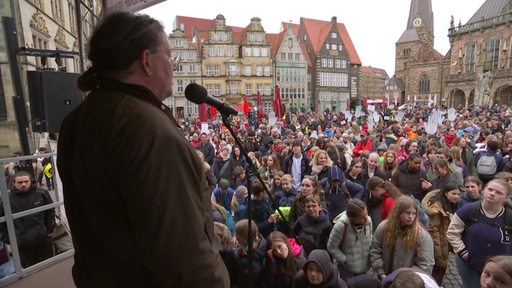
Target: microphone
[198,94]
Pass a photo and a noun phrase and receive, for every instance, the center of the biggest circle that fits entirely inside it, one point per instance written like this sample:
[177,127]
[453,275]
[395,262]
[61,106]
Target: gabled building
[334,62]
[291,69]
[480,70]
[372,82]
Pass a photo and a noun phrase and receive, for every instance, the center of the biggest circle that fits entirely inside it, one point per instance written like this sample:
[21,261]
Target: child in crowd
[319,272]
[261,209]
[400,241]
[283,200]
[226,251]
[223,194]
[258,245]
[239,203]
[284,259]
[473,193]
[313,228]
[310,186]
[339,191]
[440,205]
[497,272]
[239,176]
[275,186]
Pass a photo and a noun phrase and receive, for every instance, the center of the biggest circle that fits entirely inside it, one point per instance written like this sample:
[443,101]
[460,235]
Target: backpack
[475,217]
[486,165]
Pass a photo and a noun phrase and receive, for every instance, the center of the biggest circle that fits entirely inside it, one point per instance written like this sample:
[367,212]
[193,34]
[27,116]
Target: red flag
[202,112]
[213,112]
[259,104]
[278,105]
[246,107]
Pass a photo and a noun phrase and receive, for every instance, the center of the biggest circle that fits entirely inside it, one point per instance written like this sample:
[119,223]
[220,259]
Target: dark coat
[408,181]
[140,186]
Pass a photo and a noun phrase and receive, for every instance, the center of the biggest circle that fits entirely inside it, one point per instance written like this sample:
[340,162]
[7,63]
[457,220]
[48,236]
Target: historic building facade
[481,68]
[40,24]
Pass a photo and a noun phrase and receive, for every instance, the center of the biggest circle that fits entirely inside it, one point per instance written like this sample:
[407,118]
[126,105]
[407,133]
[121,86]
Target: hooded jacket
[336,196]
[329,271]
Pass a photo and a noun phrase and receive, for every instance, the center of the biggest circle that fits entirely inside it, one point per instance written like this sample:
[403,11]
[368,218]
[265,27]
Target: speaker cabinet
[52,96]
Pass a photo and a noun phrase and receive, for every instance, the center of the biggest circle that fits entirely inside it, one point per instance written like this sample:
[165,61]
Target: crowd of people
[372,203]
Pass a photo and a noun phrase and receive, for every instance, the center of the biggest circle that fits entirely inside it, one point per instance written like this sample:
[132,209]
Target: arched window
[424,83]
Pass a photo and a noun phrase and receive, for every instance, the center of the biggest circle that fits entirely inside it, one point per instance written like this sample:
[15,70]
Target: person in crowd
[276,186]
[387,193]
[210,178]
[350,239]
[400,241]
[473,187]
[364,144]
[339,191]
[238,158]
[444,175]
[239,203]
[320,165]
[409,278]
[314,227]
[139,159]
[223,195]
[481,229]
[250,267]
[467,155]
[33,232]
[444,153]
[353,172]
[226,250]
[297,164]
[310,186]
[449,137]
[284,259]
[284,199]
[318,272]
[223,167]
[497,272]
[426,166]
[487,171]
[389,166]
[207,148]
[440,205]
[239,176]
[261,209]
[408,177]
[221,215]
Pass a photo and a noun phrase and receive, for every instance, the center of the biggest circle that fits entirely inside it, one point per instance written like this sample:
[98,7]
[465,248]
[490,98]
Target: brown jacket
[135,195]
[437,227]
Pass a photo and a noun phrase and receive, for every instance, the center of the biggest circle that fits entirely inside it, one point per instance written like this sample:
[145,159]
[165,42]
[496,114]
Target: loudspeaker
[52,96]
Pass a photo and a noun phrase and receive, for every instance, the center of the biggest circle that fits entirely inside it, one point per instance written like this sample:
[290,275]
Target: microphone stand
[252,171]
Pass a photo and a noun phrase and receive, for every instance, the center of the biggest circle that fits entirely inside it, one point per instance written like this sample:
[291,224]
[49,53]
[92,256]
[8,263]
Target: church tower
[419,30]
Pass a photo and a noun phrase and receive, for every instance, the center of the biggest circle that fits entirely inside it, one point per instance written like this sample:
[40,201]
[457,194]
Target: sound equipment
[52,96]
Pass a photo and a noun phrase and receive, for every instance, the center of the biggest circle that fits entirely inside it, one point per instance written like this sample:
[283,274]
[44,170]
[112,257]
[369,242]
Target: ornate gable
[60,38]
[37,22]
[426,54]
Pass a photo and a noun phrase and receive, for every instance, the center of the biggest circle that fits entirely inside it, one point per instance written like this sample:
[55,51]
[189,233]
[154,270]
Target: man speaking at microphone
[134,191]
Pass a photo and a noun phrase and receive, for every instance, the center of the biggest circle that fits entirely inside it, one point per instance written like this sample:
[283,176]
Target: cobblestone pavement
[452,278]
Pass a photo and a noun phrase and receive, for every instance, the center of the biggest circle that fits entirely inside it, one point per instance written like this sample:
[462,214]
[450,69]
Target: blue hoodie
[336,197]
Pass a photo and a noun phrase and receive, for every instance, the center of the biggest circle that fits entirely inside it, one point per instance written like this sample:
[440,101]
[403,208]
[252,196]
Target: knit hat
[241,192]
[224,183]
[374,182]
[383,147]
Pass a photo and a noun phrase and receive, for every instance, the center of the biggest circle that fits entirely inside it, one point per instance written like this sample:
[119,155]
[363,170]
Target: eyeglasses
[175,62]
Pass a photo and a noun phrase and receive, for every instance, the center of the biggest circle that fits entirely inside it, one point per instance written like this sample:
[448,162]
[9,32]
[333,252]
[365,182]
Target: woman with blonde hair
[400,241]
[320,166]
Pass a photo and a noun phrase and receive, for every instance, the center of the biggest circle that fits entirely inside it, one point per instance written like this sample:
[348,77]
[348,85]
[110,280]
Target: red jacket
[362,147]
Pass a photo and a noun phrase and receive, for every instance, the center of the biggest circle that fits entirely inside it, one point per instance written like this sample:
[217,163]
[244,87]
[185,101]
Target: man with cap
[364,144]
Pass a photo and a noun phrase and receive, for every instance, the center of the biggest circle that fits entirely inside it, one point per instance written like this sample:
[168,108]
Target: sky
[373,25]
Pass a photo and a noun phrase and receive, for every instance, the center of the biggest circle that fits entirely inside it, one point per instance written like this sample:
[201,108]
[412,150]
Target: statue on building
[483,88]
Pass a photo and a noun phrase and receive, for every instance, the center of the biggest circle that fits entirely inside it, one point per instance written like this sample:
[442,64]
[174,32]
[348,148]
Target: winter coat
[330,272]
[141,184]
[260,212]
[408,181]
[439,219]
[385,259]
[273,277]
[350,245]
[336,197]
[244,262]
[313,233]
[362,146]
